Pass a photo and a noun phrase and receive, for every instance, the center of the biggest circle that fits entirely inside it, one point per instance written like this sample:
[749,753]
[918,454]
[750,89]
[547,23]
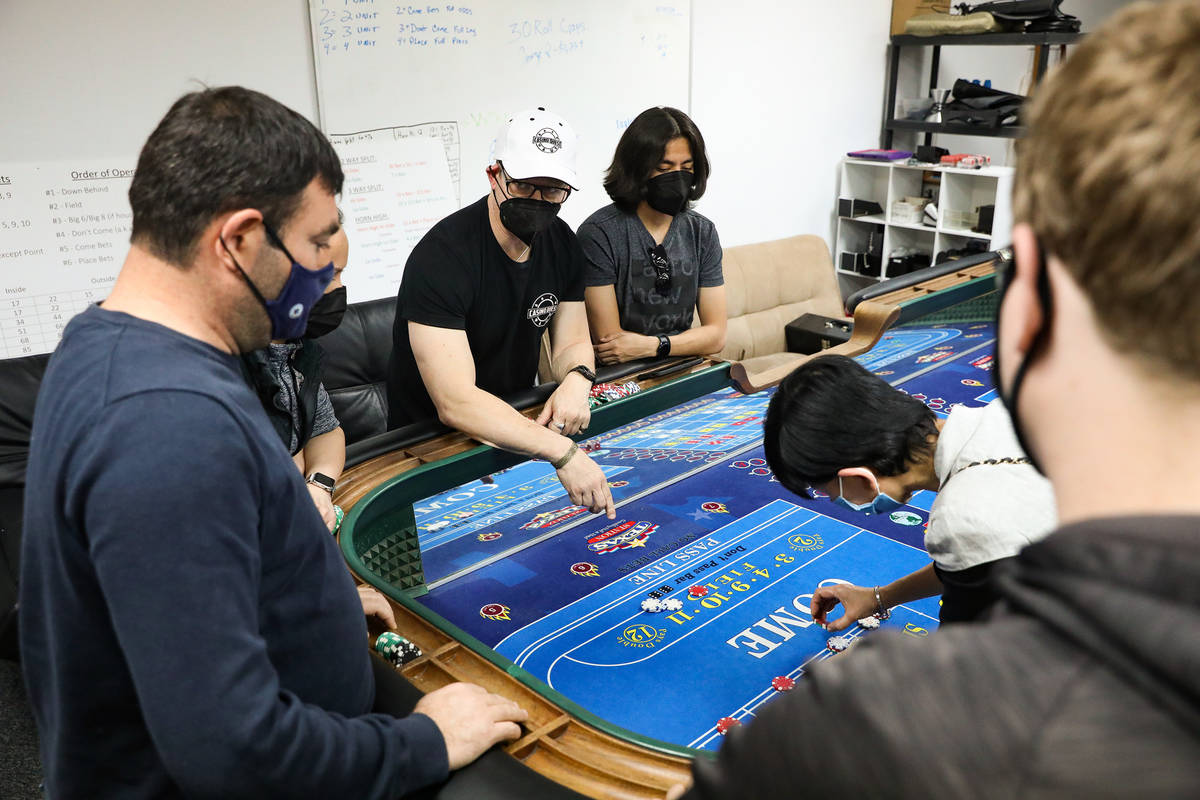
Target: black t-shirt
[459,277]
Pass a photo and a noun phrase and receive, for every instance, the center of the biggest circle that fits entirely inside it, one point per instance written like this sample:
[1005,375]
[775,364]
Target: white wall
[92,79]
[781,93]
[780,88]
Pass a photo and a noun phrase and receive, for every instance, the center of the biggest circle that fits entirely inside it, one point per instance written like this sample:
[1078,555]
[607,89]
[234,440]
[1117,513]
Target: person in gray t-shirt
[652,261]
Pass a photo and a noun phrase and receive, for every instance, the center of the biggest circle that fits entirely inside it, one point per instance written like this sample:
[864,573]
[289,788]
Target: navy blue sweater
[188,626]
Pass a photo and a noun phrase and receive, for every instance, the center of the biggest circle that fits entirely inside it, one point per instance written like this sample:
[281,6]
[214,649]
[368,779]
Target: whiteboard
[384,65]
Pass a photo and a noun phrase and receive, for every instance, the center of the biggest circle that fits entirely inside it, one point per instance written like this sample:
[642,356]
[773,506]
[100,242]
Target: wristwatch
[664,346]
[324,481]
[585,372]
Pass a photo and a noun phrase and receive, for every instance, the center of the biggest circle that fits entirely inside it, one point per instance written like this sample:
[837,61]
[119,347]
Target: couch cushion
[769,284]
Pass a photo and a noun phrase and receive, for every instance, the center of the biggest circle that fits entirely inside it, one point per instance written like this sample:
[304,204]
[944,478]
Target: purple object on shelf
[880,155]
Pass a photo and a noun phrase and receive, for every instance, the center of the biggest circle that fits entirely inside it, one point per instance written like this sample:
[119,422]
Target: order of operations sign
[64,232]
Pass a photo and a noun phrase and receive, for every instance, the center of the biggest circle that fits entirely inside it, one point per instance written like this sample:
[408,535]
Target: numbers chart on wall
[64,231]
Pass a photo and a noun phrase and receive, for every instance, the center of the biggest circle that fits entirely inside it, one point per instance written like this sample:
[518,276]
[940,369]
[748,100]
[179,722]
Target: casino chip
[837,644]
[782,683]
[697,591]
[870,623]
[651,604]
[396,649]
[725,723]
[672,604]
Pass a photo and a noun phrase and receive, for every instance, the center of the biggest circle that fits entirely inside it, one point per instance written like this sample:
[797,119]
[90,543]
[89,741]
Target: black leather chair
[19,381]
[355,367]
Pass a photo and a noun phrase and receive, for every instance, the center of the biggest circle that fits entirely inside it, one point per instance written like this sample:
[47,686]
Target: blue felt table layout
[697,507]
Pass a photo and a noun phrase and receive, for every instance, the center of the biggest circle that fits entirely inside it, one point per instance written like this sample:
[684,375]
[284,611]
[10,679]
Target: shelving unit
[958,190]
[1042,41]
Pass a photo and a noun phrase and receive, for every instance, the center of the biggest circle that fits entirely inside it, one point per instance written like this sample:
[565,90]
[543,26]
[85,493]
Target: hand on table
[567,411]
[587,485]
[376,605]
[617,348]
[858,601]
[324,503]
[471,719]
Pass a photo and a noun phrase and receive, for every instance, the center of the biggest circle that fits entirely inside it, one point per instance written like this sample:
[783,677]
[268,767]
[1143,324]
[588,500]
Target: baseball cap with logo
[538,144]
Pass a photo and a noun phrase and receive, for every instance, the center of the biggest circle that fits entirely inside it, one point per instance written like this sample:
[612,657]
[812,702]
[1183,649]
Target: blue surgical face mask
[288,312]
[882,503]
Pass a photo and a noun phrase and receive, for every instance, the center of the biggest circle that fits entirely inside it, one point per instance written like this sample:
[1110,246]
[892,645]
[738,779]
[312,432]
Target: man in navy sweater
[188,626]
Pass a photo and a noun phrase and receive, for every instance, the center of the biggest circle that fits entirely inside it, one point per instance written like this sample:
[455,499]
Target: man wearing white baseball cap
[479,290]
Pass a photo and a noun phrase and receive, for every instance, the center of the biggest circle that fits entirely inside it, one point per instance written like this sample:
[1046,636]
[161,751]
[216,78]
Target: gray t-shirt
[617,247]
[279,358]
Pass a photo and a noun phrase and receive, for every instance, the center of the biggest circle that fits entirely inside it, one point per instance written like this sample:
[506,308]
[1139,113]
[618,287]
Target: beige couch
[769,284]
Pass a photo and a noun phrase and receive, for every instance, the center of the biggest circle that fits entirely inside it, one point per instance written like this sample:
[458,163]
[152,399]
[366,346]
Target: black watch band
[585,372]
[664,345]
[324,481]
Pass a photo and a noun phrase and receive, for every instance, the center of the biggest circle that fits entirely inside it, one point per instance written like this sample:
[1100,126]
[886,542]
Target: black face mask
[1010,398]
[669,193]
[326,313]
[525,217]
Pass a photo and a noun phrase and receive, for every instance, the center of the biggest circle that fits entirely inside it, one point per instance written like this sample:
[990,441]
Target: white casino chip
[870,623]
[837,643]
[651,604]
[672,604]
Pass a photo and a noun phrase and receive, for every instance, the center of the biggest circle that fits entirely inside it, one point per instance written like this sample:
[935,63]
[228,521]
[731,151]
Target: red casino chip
[725,723]
[782,683]
[697,591]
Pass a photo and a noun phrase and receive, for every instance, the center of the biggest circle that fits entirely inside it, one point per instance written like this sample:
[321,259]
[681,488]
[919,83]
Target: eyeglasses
[662,268]
[525,189]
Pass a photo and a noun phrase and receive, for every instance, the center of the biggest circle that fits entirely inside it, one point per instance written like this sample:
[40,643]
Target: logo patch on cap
[547,140]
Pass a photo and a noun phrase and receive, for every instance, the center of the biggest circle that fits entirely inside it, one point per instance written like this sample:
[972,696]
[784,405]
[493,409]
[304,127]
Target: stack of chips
[396,649]
[607,392]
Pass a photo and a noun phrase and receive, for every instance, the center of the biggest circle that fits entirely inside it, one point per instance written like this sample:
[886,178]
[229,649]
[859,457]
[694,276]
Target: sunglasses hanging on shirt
[662,268]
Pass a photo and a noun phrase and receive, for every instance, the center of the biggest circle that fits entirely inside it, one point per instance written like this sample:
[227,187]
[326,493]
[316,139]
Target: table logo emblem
[804,543]
[714,507]
[622,536]
[548,518]
[490,536]
[984,362]
[585,570]
[495,611]
[905,518]
[971,382]
[642,636]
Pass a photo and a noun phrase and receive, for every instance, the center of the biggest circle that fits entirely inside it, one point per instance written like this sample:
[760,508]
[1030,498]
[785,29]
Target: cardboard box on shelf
[904,10]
